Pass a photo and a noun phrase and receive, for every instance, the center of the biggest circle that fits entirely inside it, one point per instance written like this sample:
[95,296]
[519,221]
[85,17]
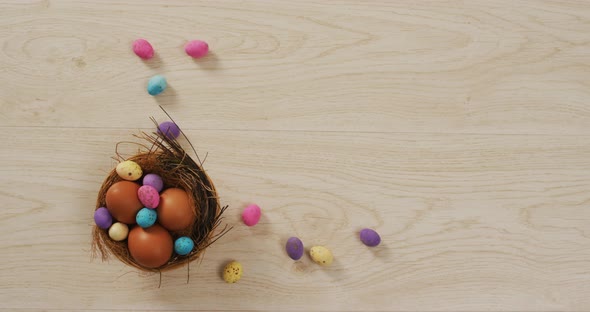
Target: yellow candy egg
[118,231]
[129,170]
[232,272]
[321,255]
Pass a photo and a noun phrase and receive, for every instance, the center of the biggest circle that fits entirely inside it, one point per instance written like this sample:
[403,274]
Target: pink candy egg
[251,215]
[148,196]
[196,48]
[143,49]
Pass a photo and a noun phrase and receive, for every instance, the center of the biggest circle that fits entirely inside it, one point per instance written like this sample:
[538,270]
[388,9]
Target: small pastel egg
[232,272]
[183,245]
[294,248]
[321,255]
[156,85]
[143,49]
[148,196]
[103,218]
[251,215]
[369,237]
[146,217]
[170,129]
[154,181]
[129,170]
[118,231]
[196,48]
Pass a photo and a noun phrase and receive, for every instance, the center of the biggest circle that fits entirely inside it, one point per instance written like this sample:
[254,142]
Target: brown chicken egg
[150,247]
[122,201]
[175,211]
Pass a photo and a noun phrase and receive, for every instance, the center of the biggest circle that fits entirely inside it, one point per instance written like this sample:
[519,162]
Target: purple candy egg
[154,181]
[294,248]
[103,218]
[370,238]
[170,129]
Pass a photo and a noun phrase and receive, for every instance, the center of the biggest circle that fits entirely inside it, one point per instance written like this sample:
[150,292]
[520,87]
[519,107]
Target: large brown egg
[122,201]
[175,212]
[151,247]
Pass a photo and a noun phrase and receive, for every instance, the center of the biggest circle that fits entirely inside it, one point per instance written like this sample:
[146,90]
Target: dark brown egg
[151,247]
[122,201]
[175,212]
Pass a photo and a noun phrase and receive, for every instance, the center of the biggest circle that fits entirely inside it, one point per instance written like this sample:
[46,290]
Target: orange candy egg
[150,247]
[122,201]
[175,211]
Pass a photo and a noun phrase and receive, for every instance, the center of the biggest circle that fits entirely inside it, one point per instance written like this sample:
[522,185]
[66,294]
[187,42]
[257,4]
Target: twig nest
[139,217]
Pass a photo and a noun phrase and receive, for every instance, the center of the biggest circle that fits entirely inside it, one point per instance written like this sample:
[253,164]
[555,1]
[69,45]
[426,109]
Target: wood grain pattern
[387,66]
[458,130]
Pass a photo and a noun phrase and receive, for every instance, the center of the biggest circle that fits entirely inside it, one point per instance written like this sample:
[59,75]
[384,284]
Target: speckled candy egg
[294,248]
[232,272]
[118,231]
[154,181]
[369,237]
[129,170]
[196,48]
[156,85]
[148,196]
[251,215]
[146,217]
[103,218]
[321,255]
[143,49]
[183,245]
[170,129]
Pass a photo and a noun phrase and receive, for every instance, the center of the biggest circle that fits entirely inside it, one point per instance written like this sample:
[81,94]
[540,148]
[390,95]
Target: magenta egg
[196,48]
[148,196]
[143,49]
[251,215]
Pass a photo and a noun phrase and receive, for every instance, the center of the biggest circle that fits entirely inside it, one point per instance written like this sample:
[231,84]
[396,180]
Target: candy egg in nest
[163,160]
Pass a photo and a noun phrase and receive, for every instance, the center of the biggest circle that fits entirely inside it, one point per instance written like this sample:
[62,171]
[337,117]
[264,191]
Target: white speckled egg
[129,170]
[118,231]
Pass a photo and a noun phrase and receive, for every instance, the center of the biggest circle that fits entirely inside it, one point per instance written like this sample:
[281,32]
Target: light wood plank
[385,66]
[469,222]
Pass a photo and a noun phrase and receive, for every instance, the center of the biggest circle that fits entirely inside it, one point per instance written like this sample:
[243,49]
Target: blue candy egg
[183,245]
[146,217]
[157,85]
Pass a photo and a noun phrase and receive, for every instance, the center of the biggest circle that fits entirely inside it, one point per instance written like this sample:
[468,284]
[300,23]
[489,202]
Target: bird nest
[162,154]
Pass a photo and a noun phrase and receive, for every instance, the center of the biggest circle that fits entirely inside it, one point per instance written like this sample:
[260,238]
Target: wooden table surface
[459,130]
